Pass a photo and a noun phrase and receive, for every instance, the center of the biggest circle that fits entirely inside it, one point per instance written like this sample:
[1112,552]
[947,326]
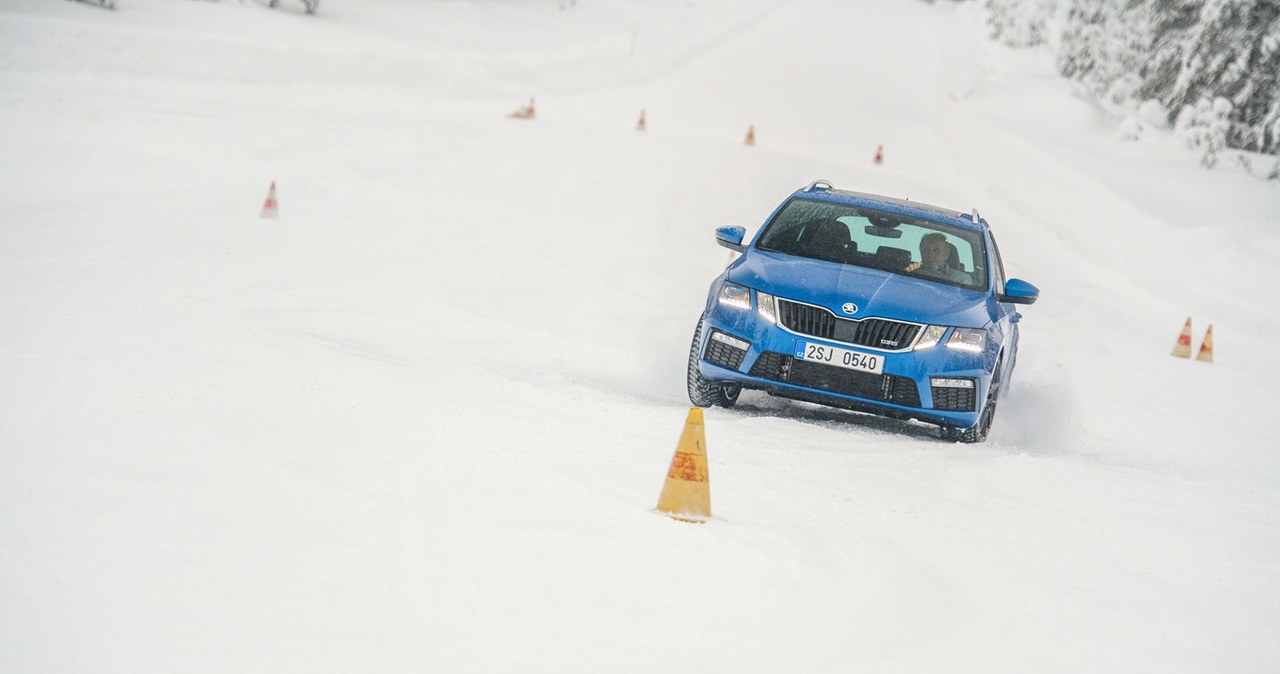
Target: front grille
[722,354]
[954,399]
[887,387]
[807,320]
[879,333]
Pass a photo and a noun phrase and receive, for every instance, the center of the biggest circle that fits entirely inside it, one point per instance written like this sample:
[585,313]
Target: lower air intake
[885,387]
[953,399]
[722,354]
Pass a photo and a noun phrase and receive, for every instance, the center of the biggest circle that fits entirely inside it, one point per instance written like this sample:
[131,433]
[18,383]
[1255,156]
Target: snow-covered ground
[419,422]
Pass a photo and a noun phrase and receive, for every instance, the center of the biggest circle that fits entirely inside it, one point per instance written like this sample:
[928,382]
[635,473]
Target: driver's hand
[912,267]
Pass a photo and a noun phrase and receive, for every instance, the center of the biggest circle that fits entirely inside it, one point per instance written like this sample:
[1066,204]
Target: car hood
[873,291]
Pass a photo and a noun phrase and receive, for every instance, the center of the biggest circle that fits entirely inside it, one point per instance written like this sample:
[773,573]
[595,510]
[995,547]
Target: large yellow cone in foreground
[686,496]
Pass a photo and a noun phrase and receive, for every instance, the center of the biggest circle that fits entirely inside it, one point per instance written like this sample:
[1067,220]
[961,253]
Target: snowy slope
[419,422]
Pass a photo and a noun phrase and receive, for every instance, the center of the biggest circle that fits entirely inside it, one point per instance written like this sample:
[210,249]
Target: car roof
[823,191]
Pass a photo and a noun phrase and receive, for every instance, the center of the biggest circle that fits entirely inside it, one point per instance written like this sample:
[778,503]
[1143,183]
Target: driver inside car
[935,254]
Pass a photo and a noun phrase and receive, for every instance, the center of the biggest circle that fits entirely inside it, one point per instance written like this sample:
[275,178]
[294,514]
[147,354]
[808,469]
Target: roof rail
[819,184]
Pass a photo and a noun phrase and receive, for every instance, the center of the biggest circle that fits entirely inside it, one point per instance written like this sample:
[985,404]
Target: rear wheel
[703,393]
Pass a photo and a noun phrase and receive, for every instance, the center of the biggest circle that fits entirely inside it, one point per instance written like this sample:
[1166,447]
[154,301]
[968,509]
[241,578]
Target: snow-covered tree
[1102,45]
[311,5]
[1209,49]
[1204,126]
[1183,54]
[1021,23]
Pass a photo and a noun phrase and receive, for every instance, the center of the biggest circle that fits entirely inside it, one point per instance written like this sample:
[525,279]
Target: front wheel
[978,432]
[703,393]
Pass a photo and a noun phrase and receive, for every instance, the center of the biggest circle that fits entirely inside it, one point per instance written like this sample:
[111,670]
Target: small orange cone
[524,112]
[1206,346]
[751,135]
[1182,349]
[879,154]
[269,208]
[686,495]
[640,125]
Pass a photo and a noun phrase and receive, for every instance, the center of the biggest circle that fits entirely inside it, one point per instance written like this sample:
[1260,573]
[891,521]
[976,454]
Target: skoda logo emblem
[849,308]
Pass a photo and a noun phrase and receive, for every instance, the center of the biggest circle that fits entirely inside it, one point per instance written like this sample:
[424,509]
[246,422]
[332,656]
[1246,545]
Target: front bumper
[905,390]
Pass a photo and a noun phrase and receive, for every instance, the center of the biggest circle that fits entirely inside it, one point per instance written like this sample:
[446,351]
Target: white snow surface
[420,422]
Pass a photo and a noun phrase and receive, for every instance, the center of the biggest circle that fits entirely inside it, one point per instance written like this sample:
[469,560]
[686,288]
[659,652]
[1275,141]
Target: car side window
[998,272]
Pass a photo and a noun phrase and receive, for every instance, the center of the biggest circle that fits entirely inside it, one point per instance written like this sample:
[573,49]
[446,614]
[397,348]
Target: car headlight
[929,338]
[764,305]
[736,296]
[968,339]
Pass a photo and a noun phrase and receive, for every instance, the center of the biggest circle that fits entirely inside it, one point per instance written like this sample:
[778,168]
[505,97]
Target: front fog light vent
[955,395]
[951,383]
[731,341]
[725,350]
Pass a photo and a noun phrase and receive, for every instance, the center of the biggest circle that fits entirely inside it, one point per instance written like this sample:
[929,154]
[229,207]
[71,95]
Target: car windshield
[866,237]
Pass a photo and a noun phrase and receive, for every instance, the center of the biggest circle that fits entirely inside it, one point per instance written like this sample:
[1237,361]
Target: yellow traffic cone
[1182,348]
[1206,346]
[686,495]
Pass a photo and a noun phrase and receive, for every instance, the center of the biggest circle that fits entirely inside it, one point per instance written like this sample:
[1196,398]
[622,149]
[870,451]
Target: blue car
[863,302]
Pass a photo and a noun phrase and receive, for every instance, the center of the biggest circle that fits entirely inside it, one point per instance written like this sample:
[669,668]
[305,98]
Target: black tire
[978,432]
[703,393]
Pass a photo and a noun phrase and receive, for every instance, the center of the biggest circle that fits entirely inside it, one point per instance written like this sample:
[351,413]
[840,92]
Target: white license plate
[834,355]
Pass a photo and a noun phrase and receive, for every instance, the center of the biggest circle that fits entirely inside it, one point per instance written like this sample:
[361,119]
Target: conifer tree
[1184,54]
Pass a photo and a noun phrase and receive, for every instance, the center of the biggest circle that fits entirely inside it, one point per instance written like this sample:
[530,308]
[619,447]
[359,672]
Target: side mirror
[731,237]
[1017,291]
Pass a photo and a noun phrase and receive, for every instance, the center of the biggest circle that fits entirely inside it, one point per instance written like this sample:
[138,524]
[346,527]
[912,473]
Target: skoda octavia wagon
[863,302]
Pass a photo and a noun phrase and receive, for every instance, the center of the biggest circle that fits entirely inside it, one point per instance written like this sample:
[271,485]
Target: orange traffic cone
[686,495]
[1206,346]
[524,112]
[751,135]
[640,125]
[1182,349]
[269,208]
[879,154]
